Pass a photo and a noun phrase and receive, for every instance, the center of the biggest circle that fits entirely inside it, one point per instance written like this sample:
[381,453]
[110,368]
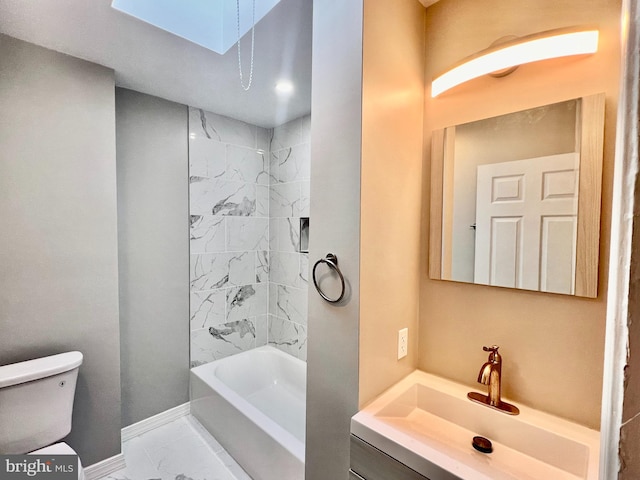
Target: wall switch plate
[403,339]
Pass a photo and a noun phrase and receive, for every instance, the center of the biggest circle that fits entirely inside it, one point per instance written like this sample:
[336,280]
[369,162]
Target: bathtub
[253,403]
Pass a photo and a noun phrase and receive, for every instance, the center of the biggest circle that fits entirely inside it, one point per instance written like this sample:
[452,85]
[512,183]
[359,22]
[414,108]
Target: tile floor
[179,450]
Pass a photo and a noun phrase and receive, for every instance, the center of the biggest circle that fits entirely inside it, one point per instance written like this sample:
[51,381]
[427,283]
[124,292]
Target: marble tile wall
[289,173]
[229,235]
[249,186]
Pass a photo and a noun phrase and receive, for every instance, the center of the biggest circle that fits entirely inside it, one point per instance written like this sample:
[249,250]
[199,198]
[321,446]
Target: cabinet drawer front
[372,464]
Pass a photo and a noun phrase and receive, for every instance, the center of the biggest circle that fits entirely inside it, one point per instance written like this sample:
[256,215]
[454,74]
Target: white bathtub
[253,403]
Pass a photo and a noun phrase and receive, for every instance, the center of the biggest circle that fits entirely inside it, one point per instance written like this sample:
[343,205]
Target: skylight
[209,23]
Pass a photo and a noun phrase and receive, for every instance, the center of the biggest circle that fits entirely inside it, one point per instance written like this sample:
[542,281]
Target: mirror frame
[590,118]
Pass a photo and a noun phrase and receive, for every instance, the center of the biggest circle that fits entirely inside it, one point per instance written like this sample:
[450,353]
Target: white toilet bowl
[60,449]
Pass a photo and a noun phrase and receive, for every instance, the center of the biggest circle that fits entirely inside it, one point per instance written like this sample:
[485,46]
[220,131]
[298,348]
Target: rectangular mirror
[515,199]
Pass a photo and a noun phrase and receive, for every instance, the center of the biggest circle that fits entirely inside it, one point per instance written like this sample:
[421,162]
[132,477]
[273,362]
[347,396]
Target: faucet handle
[494,356]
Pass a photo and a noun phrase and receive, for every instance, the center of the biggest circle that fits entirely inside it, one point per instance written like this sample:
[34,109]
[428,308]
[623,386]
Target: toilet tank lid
[21,372]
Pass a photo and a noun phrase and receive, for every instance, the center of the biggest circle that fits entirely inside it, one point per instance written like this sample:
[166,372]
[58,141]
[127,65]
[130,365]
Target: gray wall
[336,107]
[153,249]
[58,241]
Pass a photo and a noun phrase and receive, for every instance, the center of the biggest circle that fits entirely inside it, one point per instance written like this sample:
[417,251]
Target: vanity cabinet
[369,463]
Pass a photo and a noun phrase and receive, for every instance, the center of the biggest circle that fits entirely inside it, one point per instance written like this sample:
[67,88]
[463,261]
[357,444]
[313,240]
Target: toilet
[37,403]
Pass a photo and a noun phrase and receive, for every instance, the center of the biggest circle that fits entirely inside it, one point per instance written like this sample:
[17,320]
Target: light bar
[562,42]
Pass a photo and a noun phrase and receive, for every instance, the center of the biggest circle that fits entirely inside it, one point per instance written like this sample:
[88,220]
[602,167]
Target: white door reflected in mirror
[526,220]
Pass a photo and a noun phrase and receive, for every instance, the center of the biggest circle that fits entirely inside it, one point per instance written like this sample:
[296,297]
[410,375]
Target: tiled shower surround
[249,186]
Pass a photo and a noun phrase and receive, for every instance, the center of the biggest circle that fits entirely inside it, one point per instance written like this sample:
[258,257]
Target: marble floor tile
[204,434]
[163,435]
[179,450]
[139,465]
[233,466]
[189,457]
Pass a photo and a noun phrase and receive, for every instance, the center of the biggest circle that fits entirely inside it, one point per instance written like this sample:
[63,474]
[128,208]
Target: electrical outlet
[403,339]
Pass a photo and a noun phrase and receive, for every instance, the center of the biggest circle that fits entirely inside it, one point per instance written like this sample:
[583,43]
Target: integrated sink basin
[427,423]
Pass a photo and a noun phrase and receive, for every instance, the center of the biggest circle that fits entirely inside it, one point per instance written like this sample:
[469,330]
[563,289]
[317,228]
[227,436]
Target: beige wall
[552,345]
[392,115]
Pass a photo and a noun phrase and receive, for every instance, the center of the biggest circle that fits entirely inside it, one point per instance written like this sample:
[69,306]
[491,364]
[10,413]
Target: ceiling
[156,62]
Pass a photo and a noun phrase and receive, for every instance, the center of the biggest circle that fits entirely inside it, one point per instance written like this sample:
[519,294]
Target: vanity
[423,427]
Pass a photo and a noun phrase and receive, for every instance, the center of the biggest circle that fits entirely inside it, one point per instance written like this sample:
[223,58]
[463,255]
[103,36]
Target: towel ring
[332,262]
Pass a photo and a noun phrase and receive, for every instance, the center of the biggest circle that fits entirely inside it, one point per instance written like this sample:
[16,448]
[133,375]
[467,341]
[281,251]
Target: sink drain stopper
[482,444]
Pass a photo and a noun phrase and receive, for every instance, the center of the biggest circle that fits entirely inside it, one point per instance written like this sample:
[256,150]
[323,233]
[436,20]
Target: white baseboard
[150,423]
[104,468]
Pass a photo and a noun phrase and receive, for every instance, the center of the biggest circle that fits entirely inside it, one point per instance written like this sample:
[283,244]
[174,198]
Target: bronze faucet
[491,375]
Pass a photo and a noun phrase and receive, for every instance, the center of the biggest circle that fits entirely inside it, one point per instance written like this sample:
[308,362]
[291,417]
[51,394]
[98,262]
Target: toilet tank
[36,401]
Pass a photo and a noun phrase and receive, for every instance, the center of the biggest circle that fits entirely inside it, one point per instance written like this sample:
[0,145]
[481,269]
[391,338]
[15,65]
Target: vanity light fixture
[562,42]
